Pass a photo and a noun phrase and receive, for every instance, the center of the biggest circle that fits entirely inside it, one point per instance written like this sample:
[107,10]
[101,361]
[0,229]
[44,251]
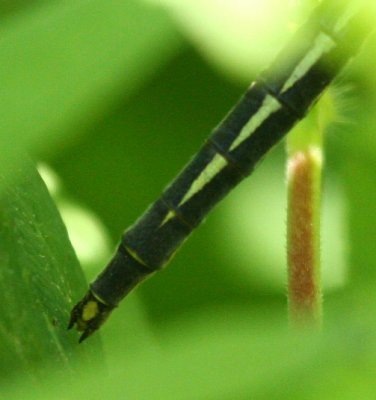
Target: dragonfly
[279,98]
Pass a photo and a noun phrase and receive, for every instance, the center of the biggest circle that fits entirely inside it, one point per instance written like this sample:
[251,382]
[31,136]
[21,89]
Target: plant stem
[303,225]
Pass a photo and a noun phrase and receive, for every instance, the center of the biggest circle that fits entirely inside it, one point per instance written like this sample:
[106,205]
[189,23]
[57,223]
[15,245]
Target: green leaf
[10,7]
[241,356]
[40,279]
[64,64]
[239,37]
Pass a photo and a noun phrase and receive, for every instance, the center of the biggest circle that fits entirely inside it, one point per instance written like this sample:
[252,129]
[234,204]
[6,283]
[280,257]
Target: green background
[111,98]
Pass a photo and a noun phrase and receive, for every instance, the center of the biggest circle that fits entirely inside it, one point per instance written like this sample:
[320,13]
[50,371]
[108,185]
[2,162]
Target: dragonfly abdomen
[280,97]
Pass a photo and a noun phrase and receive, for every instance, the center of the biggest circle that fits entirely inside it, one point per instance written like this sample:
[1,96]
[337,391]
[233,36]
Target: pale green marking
[268,107]
[323,43]
[207,174]
[169,215]
[136,256]
[90,311]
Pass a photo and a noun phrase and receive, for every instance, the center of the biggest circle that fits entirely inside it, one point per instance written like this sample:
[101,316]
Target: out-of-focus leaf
[86,231]
[66,62]
[10,7]
[239,36]
[207,356]
[40,278]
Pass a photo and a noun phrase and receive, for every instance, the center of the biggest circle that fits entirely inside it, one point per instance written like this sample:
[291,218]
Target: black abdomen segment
[122,274]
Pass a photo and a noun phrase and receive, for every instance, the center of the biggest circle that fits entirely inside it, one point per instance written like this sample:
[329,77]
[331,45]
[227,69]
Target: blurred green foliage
[115,96]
